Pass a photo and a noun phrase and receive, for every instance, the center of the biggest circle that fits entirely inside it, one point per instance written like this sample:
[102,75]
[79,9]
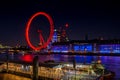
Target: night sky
[96,18]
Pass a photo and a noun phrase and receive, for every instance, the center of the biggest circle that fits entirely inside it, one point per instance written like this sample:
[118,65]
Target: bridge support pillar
[35,68]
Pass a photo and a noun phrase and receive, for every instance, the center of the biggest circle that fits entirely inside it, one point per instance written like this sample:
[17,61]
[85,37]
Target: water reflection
[109,62]
[27,58]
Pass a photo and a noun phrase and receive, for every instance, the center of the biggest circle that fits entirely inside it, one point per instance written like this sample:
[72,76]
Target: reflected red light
[28,27]
[27,58]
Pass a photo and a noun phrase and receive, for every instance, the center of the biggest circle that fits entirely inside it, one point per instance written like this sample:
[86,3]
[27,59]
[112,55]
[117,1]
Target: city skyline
[95,18]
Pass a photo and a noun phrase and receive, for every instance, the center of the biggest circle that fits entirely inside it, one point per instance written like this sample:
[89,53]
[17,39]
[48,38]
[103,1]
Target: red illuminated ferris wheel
[44,43]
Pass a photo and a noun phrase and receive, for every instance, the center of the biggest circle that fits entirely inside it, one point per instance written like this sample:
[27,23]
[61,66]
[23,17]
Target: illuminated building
[82,46]
[60,36]
[60,48]
[56,36]
[109,48]
[63,36]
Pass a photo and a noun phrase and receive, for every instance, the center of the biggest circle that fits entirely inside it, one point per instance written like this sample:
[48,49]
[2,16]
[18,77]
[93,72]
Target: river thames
[110,62]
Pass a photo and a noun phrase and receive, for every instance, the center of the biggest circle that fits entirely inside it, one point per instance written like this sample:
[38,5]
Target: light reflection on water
[112,63]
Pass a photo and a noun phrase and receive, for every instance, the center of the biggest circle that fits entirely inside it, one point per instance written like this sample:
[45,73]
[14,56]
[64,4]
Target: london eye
[41,39]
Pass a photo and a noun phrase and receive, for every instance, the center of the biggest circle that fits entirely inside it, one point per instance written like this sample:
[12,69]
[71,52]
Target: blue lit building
[71,47]
[60,48]
[109,48]
[56,36]
[82,46]
[60,36]
[62,44]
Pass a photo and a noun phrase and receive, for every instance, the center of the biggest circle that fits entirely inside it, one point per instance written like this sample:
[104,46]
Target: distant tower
[63,37]
[60,35]
[55,36]
[63,34]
